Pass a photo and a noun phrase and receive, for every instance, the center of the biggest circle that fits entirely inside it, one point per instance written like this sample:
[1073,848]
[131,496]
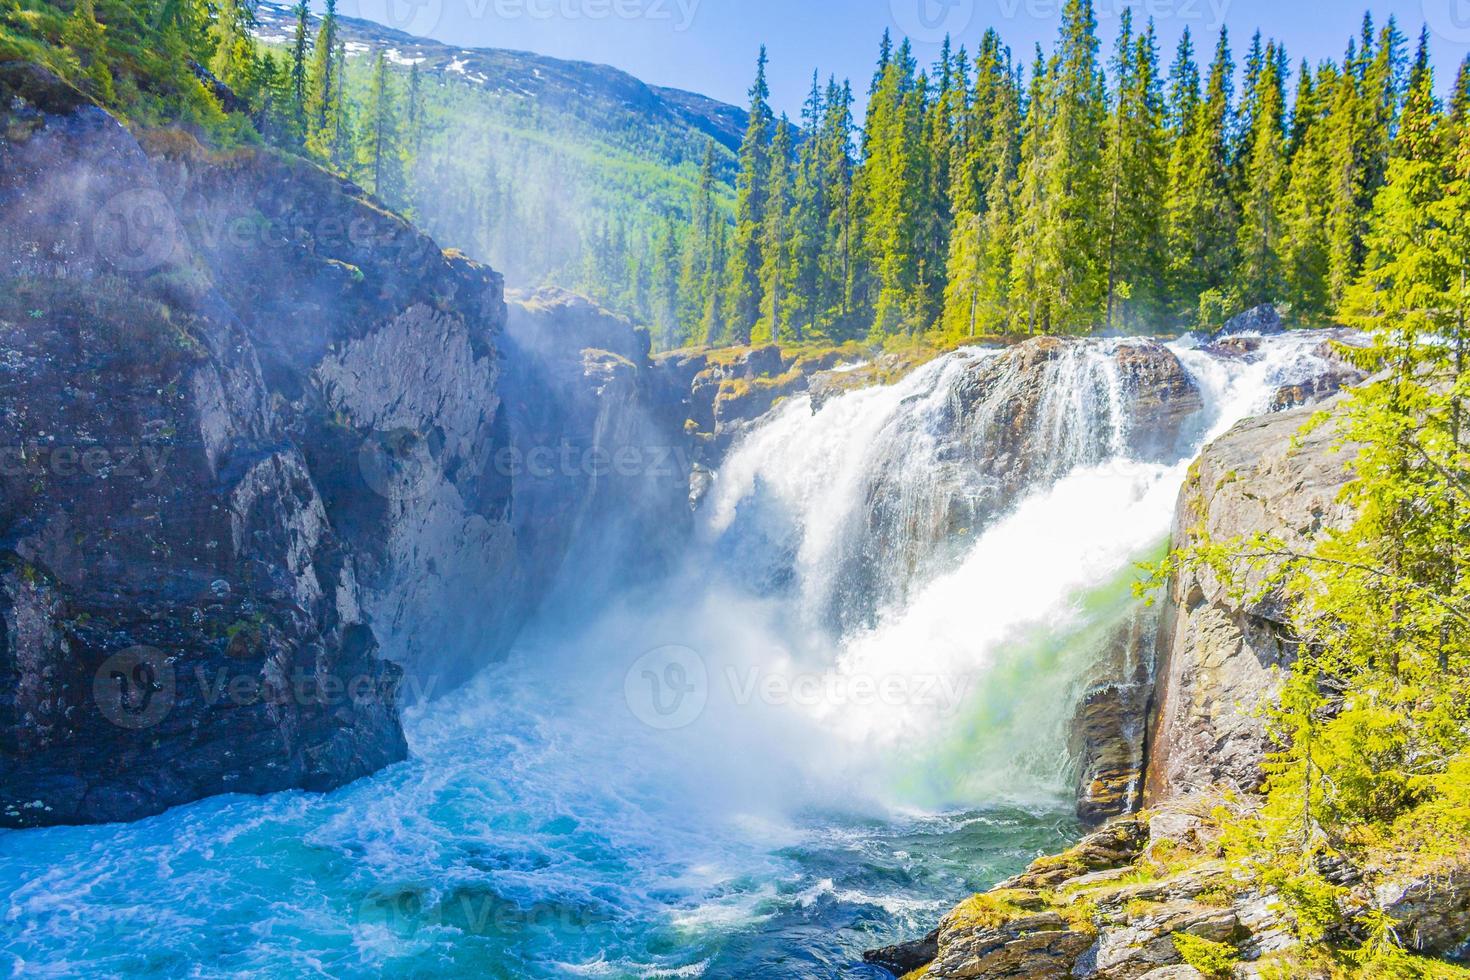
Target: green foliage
[1213,959]
[1373,723]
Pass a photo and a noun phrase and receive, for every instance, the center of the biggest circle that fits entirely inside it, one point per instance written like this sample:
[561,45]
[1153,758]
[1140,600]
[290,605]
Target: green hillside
[551,171]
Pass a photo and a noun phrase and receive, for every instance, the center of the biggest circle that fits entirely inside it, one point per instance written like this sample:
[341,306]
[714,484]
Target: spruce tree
[840,273]
[894,187]
[1304,209]
[1203,220]
[982,192]
[84,37]
[1031,190]
[321,95]
[233,61]
[300,48]
[1066,163]
[1260,277]
[742,299]
[380,149]
[1135,182]
[777,281]
[810,206]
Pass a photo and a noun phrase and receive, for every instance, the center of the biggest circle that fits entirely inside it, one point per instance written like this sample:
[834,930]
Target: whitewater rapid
[731,774]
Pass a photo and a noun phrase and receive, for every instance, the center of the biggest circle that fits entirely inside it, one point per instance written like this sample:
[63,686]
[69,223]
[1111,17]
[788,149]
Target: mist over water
[845,713]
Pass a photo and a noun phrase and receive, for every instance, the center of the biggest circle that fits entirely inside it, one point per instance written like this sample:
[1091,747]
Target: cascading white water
[985,638]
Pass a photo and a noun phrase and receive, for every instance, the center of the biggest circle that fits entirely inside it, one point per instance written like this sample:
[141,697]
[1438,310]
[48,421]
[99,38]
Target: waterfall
[850,710]
[968,537]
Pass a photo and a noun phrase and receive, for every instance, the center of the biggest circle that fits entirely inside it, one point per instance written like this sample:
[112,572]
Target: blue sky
[709,46]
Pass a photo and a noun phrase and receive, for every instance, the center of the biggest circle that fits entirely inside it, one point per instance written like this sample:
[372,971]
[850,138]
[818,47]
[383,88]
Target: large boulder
[1219,654]
[1263,320]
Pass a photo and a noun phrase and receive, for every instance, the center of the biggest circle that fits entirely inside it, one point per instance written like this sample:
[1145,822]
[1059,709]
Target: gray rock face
[1432,911]
[1217,655]
[253,427]
[1264,320]
[1108,729]
[178,615]
[380,354]
[600,458]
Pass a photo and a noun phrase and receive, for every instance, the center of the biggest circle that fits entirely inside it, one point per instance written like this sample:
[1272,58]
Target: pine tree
[1304,209]
[945,121]
[1066,160]
[664,290]
[380,151]
[1260,278]
[699,273]
[300,47]
[84,37]
[234,51]
[321,95]
[1135,181]
[415,124]
[982,192]
[1203,220]
[777,281]
[743,284]
[840,274]
[1031,191]
[810,206]
[341,136]
[894,182]
[1184,88]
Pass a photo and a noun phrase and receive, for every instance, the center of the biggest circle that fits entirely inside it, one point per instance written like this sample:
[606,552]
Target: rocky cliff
[1219,654]
[180,615]
[264,442]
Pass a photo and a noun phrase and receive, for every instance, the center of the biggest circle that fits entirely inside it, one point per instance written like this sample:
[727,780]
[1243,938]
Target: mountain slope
[555,172]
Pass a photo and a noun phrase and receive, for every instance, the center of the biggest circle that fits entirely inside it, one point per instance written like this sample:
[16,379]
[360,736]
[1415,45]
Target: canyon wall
[266,450]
